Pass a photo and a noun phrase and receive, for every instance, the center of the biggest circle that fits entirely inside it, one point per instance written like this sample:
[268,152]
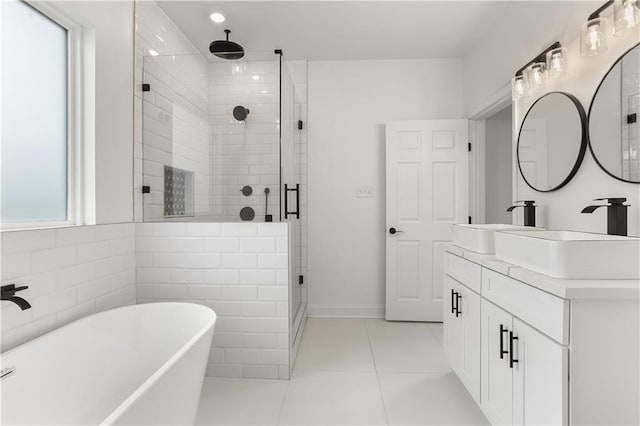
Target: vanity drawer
[544,311]
[468,273]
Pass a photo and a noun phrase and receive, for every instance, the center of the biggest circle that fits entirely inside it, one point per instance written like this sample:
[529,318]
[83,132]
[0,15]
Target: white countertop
[566,289]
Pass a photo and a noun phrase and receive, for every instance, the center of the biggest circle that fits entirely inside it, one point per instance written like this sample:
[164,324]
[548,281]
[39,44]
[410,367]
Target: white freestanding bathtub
[141,364]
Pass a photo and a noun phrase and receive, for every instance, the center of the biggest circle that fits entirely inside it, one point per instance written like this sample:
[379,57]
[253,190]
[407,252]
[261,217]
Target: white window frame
[75,123]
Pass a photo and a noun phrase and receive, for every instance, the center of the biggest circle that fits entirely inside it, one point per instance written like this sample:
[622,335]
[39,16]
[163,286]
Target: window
[36,142]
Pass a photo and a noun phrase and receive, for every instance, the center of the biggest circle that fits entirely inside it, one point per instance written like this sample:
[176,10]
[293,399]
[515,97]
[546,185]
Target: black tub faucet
[529,212]
[616,215]
[9,294]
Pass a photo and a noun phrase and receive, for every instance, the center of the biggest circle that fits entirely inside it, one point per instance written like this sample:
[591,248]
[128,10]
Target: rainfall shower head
[226,49]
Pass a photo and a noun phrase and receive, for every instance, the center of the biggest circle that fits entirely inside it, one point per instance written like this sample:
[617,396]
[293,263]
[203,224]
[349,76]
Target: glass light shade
[593,37]
[556,63]
[536,75]
[519,87]
[626,15]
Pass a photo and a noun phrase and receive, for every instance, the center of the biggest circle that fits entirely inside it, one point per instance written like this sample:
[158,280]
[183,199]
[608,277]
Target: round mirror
[614,119]
[552,141]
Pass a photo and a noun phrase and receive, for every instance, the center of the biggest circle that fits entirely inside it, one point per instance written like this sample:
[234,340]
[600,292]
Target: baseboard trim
[345,311]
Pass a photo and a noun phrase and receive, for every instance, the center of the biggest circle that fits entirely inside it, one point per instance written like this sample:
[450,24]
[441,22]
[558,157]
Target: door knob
[394,231]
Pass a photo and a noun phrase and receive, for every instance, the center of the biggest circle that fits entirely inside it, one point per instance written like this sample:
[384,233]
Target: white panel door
[540,379]
[496,398]
[427,192]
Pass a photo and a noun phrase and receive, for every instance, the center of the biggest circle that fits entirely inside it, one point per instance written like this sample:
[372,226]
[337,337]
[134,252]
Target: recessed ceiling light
[256,77]
[216,17]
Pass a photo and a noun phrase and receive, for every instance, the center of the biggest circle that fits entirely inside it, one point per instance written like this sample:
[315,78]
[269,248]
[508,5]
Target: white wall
[71,273]
[240,270]
[111,25]
[488,69]
[495,57]
[498,167]
[349,103]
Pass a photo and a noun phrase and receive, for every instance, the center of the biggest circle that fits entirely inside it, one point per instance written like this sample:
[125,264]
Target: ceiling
[340,30]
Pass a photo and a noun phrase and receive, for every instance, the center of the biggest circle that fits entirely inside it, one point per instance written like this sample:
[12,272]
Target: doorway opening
[498,170]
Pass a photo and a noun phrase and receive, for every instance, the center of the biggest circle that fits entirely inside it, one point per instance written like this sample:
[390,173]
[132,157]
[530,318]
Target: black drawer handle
[454,300]
[458,300]
[503,330]
[512,360]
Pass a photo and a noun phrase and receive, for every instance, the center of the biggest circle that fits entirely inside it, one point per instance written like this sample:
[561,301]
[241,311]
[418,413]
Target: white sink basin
[479,238]
[568,254]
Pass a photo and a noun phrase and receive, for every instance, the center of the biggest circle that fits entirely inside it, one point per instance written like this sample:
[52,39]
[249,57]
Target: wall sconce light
[593,37]
[519,87]
[626,15]
[536,75]
[556,63]
[533,75]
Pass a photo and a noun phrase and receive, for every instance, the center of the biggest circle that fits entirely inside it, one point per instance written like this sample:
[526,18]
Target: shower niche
[178,192]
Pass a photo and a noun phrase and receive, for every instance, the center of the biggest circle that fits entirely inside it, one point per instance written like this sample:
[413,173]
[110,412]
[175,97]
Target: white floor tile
[405,347]
[428,399]
[240,401]
[331,398]
[436,330]
[335,345]
[351,371]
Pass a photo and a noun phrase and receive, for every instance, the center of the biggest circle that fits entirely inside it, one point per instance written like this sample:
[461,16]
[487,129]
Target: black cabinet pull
[503,330]
[458,300]
[512,360]
[454,299]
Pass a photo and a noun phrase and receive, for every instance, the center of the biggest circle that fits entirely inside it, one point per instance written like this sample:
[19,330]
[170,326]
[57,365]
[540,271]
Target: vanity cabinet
[525,373]
[461,336]
[513,344]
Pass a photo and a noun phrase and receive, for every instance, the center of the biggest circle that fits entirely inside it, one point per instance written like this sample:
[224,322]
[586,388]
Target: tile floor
[355,372]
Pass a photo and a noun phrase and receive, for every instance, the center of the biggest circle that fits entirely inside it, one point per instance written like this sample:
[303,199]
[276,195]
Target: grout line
[375,367]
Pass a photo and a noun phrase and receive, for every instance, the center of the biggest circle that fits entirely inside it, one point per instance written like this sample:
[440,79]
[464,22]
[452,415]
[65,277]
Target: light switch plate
[364,191]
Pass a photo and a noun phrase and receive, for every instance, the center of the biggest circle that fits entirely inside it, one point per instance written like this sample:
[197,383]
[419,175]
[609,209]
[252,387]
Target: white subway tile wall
[631,131]
[71,273]
[239,270]
[156,34]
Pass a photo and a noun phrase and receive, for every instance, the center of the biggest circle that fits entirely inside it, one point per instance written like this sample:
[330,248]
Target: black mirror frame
[589,118]
[583,143]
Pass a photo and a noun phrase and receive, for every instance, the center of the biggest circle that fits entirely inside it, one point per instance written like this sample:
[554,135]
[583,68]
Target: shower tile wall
[240,270]
[71,273]
[631,105]
[175,123]
[244,153]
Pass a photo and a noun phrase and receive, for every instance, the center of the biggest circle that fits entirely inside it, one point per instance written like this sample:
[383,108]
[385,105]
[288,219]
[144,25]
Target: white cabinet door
[497,386]
[540,378]
[469,361]
[462,333]
[452,327]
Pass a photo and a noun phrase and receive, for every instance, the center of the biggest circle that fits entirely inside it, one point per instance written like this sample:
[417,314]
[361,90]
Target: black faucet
[9,294]
[529,212]
[616,215]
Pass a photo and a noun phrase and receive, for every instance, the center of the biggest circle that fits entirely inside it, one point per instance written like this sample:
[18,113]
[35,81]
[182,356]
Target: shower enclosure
[225,141]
